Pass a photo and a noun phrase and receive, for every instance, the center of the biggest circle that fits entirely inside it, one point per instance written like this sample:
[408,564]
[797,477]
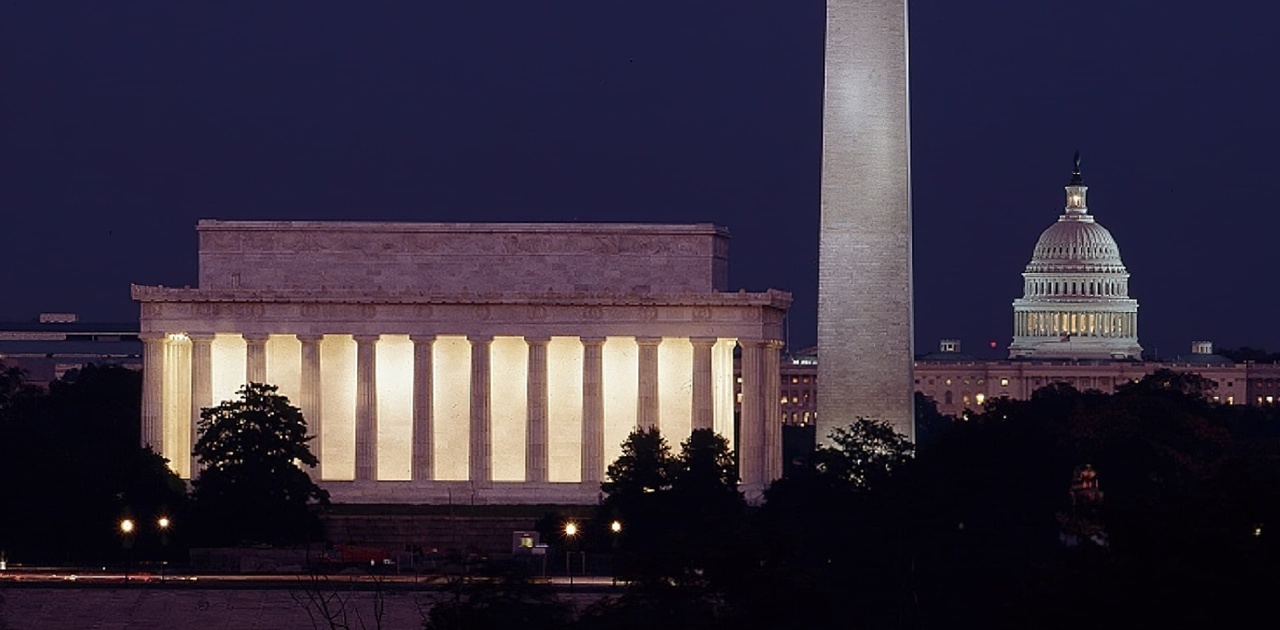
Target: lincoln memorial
[468,362]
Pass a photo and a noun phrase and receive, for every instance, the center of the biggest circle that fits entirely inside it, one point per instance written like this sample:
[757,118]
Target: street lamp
[616,528]
[126,530]
[570,532]
[162,524]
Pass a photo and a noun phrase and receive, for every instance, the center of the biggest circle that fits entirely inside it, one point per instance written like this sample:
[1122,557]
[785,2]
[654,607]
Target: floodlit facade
[486,363]
[1075,302]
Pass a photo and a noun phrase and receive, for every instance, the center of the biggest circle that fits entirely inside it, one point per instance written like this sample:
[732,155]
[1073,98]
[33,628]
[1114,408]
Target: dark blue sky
[121,123]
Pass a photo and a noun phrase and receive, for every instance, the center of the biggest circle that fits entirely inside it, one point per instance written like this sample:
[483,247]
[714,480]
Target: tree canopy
[251,486]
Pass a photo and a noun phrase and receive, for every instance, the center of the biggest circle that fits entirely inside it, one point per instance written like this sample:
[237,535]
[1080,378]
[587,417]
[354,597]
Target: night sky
[122,123]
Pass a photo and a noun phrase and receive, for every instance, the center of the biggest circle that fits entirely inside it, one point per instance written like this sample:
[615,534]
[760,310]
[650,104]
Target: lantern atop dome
[1076,191]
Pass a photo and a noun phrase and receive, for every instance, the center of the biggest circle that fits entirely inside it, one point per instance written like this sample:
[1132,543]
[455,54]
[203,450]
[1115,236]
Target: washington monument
[864,268]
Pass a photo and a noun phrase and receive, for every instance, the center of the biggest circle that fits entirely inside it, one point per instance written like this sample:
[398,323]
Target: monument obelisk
[864,269]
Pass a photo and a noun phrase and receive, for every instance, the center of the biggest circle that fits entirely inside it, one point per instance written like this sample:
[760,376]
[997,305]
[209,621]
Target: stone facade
[503,363]
[451,258]
[864,272]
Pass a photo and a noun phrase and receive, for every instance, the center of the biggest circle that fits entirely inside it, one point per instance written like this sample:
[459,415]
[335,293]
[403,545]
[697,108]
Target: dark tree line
[1147,508]
[71,468]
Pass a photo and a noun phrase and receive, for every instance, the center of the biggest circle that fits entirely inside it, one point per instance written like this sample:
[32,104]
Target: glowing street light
[616,527]
[570,532]
[126,529]
[163,524]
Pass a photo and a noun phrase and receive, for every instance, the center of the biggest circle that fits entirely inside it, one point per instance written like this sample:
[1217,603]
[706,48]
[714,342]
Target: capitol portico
[491,363]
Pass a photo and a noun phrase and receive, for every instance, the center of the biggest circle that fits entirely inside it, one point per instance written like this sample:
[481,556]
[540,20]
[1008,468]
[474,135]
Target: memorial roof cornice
[210,225]
[769,298]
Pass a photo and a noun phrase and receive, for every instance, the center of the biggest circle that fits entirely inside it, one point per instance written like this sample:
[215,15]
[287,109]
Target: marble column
[647,401]
[310,403]
[256,356]
[751,417]
[152,433]
[703,399]
[535,460]
[366,407]
[592,409]
[201,386]
[480,465]
[422,410]
[771,442]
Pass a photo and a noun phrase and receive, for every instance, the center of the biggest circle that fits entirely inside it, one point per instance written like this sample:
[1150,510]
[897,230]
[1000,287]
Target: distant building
[56,343]
[958,381]
[1075,302]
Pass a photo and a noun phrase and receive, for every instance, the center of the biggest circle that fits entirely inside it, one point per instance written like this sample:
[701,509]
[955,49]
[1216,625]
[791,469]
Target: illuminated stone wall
[864,262]
[461,257]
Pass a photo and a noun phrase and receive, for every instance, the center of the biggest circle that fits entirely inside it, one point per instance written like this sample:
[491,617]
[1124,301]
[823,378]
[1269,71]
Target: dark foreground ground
[234,602]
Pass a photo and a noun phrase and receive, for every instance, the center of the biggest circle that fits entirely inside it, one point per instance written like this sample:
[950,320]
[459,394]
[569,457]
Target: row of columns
[1042,324]
[759,434]
[1098,288]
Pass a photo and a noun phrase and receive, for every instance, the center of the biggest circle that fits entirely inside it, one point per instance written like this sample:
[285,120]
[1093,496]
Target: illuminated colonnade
[453,408]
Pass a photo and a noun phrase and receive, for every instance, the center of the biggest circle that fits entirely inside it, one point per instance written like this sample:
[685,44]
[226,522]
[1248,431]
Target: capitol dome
[1076,244]
[1075,302]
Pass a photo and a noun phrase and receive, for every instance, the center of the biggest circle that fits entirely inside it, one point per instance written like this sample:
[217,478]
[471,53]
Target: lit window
[795,379]
[948,381]
[1004,382]
[966,400]
[981,398]
[739,398]
[1231,400]
[1270,399]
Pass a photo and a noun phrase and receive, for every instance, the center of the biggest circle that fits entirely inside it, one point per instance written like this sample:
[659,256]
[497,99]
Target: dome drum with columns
[1075,302]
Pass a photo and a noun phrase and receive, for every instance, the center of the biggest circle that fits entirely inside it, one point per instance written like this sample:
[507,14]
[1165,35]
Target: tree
[863,453]
[706,465]
[679,515]
[251,487]
[644,466]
